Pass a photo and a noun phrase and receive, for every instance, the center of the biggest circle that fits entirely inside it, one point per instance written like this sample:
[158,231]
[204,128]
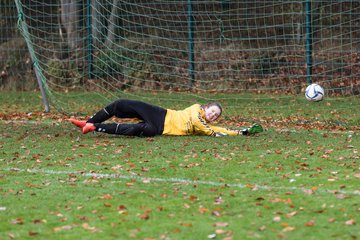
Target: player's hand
[254,129]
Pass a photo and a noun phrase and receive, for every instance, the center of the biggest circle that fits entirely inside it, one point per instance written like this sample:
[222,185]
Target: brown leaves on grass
[288,229]
[235,121]
[85,226]
[289,122]
[91,229]
[106,196]
[310,223]
[184,224]
[23,116]
[144,216]
[107,202]
[66,227]
[17,221]
[221,224]
[287,201]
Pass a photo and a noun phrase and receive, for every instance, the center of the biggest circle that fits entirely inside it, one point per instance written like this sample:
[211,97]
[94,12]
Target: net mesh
[199,50]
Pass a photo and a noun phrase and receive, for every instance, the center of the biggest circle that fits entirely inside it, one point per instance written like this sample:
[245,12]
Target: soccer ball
[314,93]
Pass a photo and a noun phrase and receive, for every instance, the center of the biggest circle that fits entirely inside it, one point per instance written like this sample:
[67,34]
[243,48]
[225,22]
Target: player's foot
[78,123]
[89,127]
[256,128]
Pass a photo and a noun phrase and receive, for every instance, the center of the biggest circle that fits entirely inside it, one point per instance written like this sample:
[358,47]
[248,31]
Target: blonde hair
[217,104]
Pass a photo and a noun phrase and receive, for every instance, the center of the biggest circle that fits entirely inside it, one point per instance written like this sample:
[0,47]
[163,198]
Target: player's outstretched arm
[254,129]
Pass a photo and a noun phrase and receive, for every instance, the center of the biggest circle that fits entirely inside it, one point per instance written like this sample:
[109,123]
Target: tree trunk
[114,23]
[99,16]
[70,22]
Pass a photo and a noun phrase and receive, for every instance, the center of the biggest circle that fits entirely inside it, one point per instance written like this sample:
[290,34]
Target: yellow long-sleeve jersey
[191,121]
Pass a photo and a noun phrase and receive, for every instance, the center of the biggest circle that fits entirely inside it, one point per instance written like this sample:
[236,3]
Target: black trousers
[152,118]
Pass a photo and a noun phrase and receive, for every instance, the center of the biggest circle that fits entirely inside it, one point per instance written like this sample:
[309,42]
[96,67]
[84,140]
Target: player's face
[212,113]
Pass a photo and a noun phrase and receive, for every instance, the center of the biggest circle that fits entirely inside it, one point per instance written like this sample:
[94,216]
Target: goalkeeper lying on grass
[194,120]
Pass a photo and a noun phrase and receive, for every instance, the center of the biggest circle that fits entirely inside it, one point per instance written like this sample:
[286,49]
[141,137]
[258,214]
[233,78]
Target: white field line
[182,181]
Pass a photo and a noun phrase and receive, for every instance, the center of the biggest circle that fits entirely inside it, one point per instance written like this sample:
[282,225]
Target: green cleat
[256,128]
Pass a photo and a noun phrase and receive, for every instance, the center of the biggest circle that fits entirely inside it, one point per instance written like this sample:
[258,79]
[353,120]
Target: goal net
[191,51]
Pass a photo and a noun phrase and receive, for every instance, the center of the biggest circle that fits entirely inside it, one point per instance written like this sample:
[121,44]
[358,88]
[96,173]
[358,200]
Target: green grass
[293,181]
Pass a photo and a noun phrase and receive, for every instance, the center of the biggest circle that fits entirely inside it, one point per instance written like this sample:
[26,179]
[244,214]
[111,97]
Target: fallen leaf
[144,216]
[219,231]
[350,222]
[310,223]
[32,234]
[187,206]
[37,221]
[262,228]
[121,207]
[193,198]
[17,221]
[341,196]
[11,235]
[216,213]
[288,229]
[203,210]
[291,214]
[308,191]
[106,196]
[84,218]
[218,200]
[221,224]
[228,238]
[67,227]
[284,224]
[89,228]
[186,224]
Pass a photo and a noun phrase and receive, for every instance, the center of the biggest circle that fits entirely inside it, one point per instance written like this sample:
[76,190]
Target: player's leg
[124,108]
[152,115]
[104,114]
[119,108]
[138,129]
[153,118]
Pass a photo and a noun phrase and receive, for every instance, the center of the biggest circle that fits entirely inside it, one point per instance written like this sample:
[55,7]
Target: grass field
[300,179]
